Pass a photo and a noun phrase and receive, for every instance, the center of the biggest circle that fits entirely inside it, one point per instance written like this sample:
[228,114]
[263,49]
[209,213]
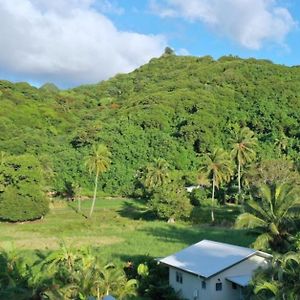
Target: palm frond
[262,242]
[247,220]
[269,286]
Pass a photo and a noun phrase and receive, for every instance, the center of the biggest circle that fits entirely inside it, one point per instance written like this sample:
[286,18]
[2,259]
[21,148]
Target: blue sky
[72,42]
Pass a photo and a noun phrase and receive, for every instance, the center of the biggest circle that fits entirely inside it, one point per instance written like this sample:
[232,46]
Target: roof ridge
[222,243]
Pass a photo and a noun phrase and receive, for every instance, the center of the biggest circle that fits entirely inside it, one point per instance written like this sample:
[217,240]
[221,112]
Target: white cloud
[248,22]
[68,42]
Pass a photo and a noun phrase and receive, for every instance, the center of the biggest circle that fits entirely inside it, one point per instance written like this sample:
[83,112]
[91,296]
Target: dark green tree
[21,189]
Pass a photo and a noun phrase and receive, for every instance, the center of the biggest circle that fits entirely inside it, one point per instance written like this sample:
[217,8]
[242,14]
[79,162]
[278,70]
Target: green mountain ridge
[174,107]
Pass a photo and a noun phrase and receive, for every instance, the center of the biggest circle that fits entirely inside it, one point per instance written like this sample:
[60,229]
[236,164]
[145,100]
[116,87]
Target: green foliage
[174,107]
[243,149]
[152,278]
[170,202]
[272,214]
[98,162]
[199,197]
[279,281]
[63,274]
[21,189]
[49,87]
[152,177]
[218,168]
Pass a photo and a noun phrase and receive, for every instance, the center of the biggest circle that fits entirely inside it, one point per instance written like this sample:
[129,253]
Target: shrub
[21,194]
[153,280]
[199,197]
[170,202]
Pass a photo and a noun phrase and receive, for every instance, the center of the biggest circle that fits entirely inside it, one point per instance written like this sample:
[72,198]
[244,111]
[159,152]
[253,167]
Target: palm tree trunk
[95,193]
[213,200]
[79,204]
[239,177]
[98,293]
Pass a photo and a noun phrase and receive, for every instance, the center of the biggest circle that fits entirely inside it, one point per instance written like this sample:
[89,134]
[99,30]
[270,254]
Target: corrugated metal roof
[242,280]
[207,258]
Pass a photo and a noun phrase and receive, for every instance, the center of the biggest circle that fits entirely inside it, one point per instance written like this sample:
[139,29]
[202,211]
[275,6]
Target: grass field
[119,227]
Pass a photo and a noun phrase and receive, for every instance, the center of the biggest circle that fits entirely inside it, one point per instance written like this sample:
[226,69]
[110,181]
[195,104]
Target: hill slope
[173,107]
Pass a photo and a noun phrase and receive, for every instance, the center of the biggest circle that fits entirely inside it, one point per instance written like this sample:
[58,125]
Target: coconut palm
[280,280]
[98,162]
[243,149]
[272,215]
[217,165]
[156,174]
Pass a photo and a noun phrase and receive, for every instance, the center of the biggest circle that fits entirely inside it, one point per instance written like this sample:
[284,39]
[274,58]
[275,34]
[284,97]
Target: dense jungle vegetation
[175,108]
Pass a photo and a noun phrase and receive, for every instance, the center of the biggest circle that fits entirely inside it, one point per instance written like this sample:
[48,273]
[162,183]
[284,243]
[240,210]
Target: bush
[21,194]
[154,283]
[199,197]
[170,202]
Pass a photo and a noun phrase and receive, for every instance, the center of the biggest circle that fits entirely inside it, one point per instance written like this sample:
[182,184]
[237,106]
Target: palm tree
[243,151]
[272,215]
[98,162]
[156,174]
[217,165]
[280,280]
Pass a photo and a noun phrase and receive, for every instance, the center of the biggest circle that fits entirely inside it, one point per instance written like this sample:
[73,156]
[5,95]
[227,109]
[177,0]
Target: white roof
[109,297]
[207,258]
[242,280]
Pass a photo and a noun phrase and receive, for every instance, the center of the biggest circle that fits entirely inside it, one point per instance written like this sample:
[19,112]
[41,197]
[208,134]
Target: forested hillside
[174,108]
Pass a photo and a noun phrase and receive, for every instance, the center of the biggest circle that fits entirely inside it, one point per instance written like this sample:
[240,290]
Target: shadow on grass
[136,211]
[74,208]
[191,235]
[224,215]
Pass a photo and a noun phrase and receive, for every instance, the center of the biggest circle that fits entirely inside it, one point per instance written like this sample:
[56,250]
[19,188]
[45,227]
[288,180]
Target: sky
[74,42]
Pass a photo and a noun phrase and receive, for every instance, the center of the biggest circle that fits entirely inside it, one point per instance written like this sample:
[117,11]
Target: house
[190,188]
[213,271]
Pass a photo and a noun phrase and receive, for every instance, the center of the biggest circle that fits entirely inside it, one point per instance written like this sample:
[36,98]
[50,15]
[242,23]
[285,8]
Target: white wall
[192,282]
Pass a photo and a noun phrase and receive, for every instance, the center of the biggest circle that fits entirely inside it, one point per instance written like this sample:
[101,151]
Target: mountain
[174,107]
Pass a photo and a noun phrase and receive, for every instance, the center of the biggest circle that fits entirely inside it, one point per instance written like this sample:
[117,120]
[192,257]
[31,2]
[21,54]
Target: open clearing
[121,228]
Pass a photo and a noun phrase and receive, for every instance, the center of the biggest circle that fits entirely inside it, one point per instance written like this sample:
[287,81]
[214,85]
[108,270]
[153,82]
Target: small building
[213,271]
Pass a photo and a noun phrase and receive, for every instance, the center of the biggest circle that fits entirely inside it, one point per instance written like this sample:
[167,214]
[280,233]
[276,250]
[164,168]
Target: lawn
[121,228]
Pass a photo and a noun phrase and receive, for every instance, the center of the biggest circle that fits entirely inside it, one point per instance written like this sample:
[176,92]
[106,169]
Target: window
[203,284]
[179,277]
[219,286]
[234,286]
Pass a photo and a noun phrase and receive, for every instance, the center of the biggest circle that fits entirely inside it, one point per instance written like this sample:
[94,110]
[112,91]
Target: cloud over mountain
[68,41]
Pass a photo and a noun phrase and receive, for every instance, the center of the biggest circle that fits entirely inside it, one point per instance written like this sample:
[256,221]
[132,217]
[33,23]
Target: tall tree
[243,149]
[218,167]
[98,162]
[272,214]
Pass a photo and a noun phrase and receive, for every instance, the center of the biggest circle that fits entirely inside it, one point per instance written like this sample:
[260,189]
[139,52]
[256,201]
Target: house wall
[191,282]
[243,268]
